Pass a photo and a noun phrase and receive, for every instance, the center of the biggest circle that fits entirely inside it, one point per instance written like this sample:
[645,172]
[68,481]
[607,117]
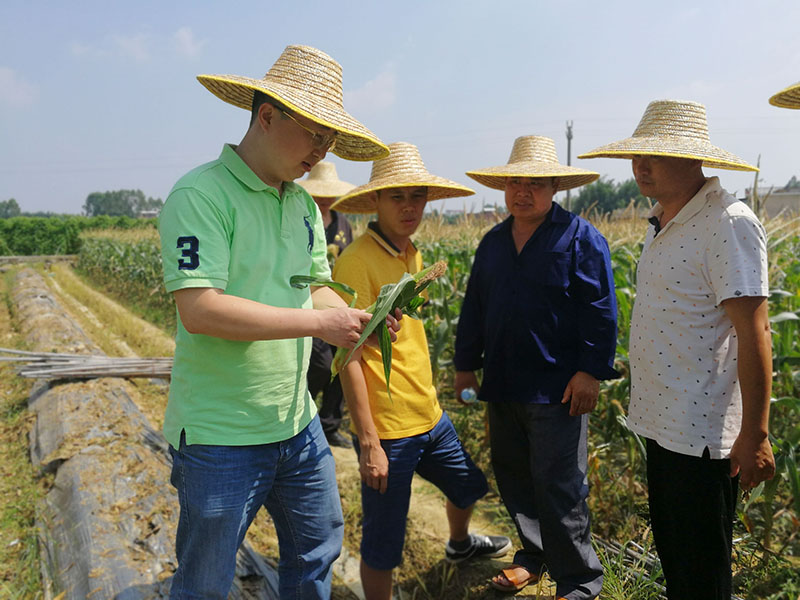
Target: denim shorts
[436,456]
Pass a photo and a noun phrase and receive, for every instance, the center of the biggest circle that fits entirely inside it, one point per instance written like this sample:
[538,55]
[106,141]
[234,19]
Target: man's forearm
[750,319]
[210,311]
[354,386]
[755,380]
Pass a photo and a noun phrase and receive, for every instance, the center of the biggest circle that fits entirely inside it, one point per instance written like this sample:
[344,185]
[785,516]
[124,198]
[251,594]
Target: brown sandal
[514,575]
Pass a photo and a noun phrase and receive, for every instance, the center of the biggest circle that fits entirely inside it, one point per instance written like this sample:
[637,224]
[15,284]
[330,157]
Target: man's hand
[394,325]
[752,460]
[374,467]
[581,392]
[342,327]
[464,380]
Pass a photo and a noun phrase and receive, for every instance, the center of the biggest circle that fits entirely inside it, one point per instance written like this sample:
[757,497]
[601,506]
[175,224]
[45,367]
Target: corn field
[767,548]
[26,236]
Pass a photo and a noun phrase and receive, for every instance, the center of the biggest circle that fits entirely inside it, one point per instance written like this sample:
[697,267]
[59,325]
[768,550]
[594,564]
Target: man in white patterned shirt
[700,347]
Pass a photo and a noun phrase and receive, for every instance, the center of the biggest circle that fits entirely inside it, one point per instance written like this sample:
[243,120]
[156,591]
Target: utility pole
[569,153]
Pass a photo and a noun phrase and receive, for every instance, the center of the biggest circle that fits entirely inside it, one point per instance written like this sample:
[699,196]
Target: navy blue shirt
[532,320]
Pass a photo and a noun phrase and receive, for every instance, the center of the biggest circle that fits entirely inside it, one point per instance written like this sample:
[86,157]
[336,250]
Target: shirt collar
[557,214]
[691,208]
[239,169]
[374,231]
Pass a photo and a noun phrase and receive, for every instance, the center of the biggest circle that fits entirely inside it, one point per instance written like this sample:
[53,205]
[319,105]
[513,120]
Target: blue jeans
[221,488]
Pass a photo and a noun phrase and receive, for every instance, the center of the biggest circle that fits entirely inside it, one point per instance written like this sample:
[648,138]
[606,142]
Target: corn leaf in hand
[403,295]
[303,281]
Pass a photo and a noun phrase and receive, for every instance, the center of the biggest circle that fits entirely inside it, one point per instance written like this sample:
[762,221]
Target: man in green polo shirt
[241,424]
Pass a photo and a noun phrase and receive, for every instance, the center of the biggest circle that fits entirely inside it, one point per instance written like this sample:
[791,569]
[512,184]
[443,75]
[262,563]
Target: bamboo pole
[53,365]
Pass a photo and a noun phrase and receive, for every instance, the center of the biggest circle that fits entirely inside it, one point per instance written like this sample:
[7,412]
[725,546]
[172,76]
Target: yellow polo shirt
[368,263]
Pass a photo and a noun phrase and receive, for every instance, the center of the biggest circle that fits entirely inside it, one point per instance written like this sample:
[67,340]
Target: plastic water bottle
[469,396]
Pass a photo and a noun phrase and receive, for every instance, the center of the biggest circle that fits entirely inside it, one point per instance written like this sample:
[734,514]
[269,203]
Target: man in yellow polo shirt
[409,433]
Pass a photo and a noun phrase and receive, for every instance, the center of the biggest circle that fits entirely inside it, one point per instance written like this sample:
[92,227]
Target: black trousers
[539,457]
[692,506]
[319,380]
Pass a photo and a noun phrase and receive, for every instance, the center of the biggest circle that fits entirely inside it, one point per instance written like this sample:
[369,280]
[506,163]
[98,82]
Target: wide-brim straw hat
[402,168]
[672,128]
[534,156]
[309,82]
[787,98]
[324,182]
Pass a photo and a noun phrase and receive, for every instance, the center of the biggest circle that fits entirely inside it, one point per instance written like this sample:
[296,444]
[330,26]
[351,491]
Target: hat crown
[673,118]
[309,71]
[323,171]
[403,162]
[533,148]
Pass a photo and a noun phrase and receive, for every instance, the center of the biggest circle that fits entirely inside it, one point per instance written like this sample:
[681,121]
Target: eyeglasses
[320,141]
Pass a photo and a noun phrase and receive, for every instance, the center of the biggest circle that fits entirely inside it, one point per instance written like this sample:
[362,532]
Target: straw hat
[534,156]
[402,168]
[788,98]
[324,182]
[309,82]
[672,128]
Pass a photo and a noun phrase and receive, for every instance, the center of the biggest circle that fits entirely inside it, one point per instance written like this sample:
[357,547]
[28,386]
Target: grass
[117,332]
[629,574]
[21,487]
[108,323]
[128,269]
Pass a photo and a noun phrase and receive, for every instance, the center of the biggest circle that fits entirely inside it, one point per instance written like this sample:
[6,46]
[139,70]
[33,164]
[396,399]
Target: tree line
[120,203]
[604,196]
[116,203]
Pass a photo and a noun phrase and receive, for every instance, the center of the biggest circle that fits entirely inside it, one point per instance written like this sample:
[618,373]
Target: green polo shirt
[222,227]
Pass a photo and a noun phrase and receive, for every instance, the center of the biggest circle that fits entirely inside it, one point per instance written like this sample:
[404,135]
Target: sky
[102,95]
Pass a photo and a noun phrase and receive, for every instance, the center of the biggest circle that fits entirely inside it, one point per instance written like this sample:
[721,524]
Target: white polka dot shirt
[683,348]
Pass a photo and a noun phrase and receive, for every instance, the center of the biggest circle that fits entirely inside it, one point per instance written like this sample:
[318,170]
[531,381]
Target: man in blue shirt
[539,317]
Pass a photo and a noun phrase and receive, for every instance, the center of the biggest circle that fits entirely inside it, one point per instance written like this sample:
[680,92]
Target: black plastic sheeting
[107,527]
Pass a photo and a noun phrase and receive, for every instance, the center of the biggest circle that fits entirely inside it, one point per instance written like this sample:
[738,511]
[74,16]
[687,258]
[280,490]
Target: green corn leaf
[784,316]
[390,297]
[385,341]
[303,281]
[793,474]
[403,295]
[414,304]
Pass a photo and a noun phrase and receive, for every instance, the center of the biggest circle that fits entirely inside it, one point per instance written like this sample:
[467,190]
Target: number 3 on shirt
[188,245]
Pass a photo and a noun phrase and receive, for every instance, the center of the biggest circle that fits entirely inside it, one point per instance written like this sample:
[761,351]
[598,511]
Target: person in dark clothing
[539,318]
[324,185]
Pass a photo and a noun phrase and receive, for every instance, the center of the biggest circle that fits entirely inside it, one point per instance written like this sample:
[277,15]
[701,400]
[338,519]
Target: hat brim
[787,98]
[359,200]
[353,142]
[678,147]
[325,189]
[568,177]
